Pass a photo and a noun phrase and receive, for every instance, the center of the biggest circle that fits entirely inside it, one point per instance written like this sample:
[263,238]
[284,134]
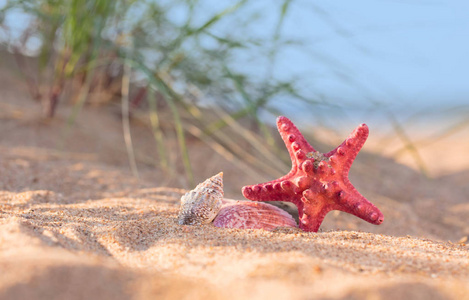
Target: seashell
[202,204]
[205,204]
[252,215]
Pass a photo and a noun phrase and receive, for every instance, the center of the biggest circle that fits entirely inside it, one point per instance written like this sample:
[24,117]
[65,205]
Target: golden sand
[75,224]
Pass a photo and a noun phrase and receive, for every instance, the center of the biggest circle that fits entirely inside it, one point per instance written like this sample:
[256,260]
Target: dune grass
[172,54]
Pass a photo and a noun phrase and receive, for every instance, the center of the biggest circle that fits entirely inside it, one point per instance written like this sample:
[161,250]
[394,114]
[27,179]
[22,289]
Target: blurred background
[186,87]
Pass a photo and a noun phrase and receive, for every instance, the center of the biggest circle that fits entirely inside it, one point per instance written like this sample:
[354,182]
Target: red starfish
[317,182]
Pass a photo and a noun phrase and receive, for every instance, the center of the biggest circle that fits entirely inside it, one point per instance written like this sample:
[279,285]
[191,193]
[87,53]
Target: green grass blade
[241,164]
[126,119]
[409,144]
[84,91]
[159,84]
[158,133]
[216,18]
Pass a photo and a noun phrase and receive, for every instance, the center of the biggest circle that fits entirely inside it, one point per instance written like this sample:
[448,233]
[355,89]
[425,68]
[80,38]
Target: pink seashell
[252,215]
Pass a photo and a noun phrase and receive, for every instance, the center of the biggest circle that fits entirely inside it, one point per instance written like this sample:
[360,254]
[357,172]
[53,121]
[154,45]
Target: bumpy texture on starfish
[317,182]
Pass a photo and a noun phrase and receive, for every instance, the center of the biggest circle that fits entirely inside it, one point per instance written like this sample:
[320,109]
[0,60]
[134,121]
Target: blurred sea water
[415,119]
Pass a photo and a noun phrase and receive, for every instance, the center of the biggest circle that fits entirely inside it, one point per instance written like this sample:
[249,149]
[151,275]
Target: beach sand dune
[75,224]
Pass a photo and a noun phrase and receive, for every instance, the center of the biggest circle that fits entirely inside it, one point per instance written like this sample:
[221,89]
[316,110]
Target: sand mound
[75,224]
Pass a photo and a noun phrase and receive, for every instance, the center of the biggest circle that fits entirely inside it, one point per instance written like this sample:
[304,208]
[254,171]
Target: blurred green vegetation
[177,63]
[146,58]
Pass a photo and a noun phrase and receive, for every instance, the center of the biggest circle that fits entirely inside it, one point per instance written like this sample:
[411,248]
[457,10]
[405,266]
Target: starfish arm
[352,202]
[346,152]
[313,208]
[295,142]
[271,191]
